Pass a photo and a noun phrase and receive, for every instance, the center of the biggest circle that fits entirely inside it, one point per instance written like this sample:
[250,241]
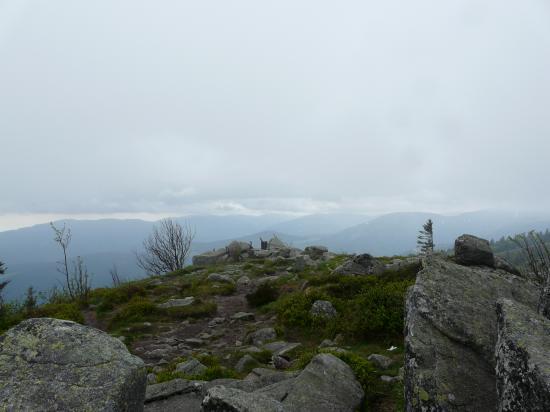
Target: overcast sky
[148,108]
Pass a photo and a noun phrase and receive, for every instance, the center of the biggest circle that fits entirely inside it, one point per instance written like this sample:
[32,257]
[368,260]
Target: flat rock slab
[281,347]
[176,303]
[52,365]
[243,316]
[170,388]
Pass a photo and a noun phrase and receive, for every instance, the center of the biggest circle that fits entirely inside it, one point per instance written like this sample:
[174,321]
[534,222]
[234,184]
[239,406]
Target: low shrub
[264,294]
[139,309]
[66,311]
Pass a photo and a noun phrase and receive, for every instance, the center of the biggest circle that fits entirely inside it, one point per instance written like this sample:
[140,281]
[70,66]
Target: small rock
[174,303]
[280,362]
[323,308]
[281,347]
[326,343]
[243,281]
[191,367]
[315,252]
[381,361]
[194,342]
[243,316]
[389,379]
[217,277]
[261,336]
[216,321]
[247,362]
[151,378]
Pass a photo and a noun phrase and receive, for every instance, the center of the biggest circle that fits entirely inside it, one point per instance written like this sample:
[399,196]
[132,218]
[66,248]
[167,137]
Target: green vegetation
[264,294]
[213,371]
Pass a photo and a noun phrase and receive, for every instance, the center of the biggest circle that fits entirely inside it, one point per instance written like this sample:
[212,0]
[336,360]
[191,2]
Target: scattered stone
[174,303]
[170,388]
[244,316]
[323,308]
[280,362]
[251,349]
[50,365]
[243,281]
[221,398]
[326,343]
[191,367]
[194,342]
[380,361]
[261,336]
[217,277]
[151,378]
[471,250]
[215,322]
[210,258]
[315,252]
[281,347]
[247,362]
[389,379]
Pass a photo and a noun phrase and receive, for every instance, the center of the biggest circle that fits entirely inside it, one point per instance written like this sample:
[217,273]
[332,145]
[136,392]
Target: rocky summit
[283,329]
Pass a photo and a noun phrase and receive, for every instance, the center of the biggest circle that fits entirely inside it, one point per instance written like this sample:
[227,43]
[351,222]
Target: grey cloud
[134,106]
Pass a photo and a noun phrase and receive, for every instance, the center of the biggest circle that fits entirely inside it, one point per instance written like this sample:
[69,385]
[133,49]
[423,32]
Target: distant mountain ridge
[30,253]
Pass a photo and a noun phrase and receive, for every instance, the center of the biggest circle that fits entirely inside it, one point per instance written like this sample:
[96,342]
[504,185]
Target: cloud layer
[246,106]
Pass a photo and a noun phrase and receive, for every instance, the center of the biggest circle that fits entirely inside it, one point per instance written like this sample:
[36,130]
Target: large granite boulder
[57,365]
[522,359]
[451,334]
[471,250]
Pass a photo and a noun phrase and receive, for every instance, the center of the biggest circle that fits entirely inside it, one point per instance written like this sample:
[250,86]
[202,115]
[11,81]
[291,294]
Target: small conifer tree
[425,240]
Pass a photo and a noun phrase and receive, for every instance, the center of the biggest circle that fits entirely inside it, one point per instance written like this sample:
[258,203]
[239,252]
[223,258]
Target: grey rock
[503,264]
[243,316]
[51,365]
[472,250]
[326,343]
[174,303]
[170,388]
[151,378]
[323,308]
[191,367]
[522,359]
[243,281]
[217,277]
[389,379]
[221,398]
[380,361]
[451,333]
[215,322]
[210,258]
[363,264]
[179,402]
[281,347]
[261,336]
[280,362]
[326,384]
[194,342]
[315,252]
[247,362]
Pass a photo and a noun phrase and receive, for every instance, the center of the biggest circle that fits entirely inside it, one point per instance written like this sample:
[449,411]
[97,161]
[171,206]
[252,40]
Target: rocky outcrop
[451,331]
[323,308]
[52,365]
[522,359]
[327,384]
[363,264]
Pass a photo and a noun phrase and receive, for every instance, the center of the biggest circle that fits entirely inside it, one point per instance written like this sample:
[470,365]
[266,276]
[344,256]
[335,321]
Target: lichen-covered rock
[261,336]
[315,252]
[210,258]
[191,367]
[218,277]
[221,399]
[380,361]
[363,264]
[323,308]
[57,365]
[451,333]
[246,362]
[522,359]
[327,384]
[472,250]
[176,303]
